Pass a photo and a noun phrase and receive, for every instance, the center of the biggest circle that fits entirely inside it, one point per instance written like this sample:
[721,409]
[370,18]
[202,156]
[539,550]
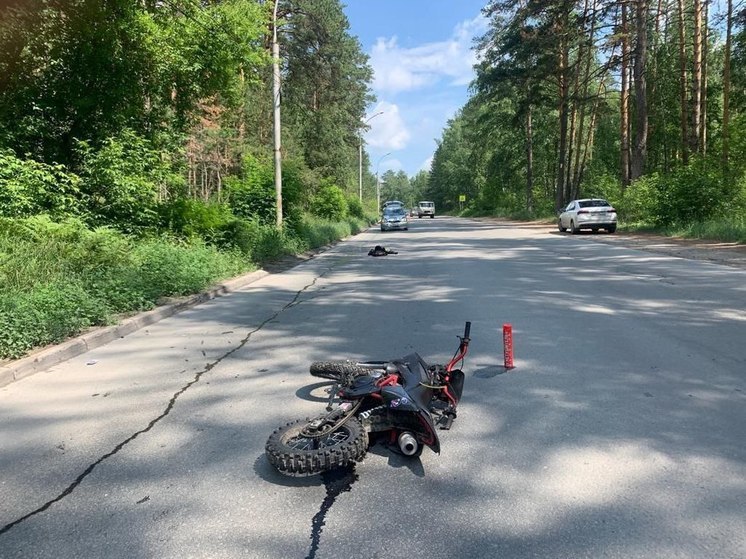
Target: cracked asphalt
[169,406]
[620,433]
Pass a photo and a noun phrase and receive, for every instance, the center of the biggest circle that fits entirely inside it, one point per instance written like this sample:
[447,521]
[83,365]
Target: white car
[426,208]
[588,213]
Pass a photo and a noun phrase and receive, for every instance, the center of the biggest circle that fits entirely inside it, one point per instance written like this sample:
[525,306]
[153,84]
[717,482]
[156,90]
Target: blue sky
[421,55]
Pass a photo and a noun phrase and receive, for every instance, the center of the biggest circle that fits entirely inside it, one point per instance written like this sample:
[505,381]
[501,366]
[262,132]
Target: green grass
[731,230]
[315,231]
[58,279]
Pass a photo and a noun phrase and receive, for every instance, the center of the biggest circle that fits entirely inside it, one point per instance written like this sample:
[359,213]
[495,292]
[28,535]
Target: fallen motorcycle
[402,400]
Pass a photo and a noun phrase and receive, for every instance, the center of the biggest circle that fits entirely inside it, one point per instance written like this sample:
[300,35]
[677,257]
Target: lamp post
[378,183]
[276,117]
[360,156]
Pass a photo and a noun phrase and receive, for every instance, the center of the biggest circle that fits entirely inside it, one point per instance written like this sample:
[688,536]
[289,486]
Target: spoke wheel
[293,452]
[302,442]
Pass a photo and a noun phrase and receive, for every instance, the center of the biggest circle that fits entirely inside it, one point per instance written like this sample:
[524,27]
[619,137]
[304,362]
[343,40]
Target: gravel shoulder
[728,254]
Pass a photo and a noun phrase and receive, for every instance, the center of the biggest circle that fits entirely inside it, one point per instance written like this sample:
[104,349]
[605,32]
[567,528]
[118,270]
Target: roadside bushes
[603,185]
[251,194]
[168,269]
[691,194]
[329,202]
[123,179]
[639,202]
[355,208]
[57,279]
[193,218]
[28,188]
[36,250]
[317,231]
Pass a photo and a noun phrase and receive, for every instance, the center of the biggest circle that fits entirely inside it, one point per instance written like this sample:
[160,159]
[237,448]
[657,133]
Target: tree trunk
[624,104]
[639,153]
[529,161]
[696,76]
[591,132]
[703,93]
[585,56]
[683,85]
[726,86]
[562,193]
[571,138]
[578,99]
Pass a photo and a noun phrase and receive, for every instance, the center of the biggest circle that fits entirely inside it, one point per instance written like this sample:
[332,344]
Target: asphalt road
[621,433]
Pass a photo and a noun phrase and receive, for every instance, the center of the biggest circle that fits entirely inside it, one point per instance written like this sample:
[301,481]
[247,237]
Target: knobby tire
[337,370]
[330,454]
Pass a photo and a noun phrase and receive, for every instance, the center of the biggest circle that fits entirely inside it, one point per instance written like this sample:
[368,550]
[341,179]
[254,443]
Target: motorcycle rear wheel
[294,454]
[337,370]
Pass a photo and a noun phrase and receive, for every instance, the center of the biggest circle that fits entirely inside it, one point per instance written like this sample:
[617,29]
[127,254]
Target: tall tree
[696,103]
[640,147]
[530,43]
[726,84]
[703,95]
[418,185]
[326,87]
[683,82]
[624,97]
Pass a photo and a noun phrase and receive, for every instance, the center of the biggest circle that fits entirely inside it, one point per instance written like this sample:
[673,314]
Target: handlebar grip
[467,329]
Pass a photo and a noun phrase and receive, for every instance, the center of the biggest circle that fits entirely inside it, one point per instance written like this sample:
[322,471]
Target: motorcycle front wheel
[295,454]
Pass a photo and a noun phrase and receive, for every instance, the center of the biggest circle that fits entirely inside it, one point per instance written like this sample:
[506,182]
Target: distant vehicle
[394,217]
[589,213]
[413,212]
[426,208]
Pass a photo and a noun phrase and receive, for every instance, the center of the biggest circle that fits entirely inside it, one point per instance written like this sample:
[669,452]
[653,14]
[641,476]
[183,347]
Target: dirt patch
[728,254]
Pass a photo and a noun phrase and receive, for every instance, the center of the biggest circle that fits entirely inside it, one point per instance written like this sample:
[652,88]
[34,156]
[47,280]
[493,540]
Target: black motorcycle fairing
[361,386]
[407,414]
[397,398]
[416,379]
[420,424]
[413,370]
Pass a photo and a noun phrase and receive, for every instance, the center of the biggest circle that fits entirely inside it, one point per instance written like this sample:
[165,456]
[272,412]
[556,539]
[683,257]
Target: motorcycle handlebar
[467,329]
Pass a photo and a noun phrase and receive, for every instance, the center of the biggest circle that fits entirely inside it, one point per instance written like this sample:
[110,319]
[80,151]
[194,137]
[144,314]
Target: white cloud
[404,69]
[388,130]
[427,164]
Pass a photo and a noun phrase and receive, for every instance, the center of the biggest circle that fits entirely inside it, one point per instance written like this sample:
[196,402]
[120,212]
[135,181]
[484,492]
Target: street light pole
[360,156]
[378,183]
[276,117]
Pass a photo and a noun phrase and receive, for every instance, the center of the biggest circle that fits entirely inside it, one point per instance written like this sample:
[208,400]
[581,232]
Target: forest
[642,102]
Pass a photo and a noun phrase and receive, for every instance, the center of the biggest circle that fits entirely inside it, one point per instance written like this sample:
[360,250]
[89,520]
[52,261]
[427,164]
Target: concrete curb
[45,358]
